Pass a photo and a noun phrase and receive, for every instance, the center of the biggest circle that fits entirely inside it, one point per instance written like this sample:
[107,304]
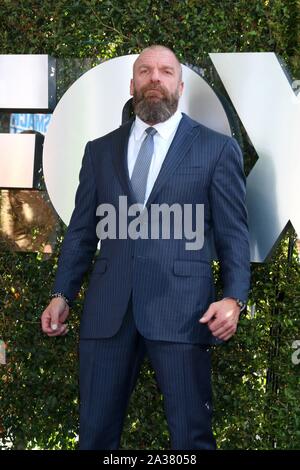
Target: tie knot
[150,131]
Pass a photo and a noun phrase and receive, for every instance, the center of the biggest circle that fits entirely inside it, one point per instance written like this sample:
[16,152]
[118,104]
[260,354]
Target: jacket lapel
[186,132]
[119,155]
[183,139]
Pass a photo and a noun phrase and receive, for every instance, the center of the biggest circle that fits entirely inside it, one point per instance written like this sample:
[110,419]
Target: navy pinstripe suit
[147,295]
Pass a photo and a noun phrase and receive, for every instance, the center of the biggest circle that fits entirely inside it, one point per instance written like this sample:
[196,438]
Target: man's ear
[131,87]
[181,87]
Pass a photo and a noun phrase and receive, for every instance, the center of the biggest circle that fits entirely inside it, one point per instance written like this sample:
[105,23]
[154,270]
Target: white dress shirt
[162,141]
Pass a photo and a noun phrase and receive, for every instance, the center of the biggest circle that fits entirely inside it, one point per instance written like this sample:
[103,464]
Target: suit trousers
[109,369]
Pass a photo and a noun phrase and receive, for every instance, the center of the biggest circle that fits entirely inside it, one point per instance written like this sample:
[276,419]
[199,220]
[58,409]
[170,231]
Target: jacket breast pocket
[188,170]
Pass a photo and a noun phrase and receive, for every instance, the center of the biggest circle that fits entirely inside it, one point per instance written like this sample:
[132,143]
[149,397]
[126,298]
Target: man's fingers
[53,317]
[216,324]
[218,329]
[226,337]
[51,324]
[226,333]
[46,322]
[208,315]
[61,330]
[65,332]
[54,320]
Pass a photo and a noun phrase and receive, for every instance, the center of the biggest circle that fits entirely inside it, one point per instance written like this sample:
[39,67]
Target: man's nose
[155,76]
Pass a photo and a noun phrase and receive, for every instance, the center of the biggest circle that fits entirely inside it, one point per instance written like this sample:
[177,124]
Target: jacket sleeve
[229,218]
[80,242]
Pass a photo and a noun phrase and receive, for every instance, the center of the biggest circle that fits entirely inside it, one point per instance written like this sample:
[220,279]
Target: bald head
[165,53]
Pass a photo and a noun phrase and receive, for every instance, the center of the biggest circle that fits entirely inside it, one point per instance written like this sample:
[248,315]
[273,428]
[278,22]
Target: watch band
[62,296]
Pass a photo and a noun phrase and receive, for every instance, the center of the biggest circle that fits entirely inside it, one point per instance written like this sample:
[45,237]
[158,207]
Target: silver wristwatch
[62,296]
[241,304]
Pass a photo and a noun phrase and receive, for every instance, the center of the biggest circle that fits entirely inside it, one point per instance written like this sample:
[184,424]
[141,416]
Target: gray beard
[155,111]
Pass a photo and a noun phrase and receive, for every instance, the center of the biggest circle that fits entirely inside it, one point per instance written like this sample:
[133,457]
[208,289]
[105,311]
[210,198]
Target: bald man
[146,295]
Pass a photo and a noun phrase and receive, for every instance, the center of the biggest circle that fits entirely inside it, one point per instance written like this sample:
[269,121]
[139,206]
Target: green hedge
[255,382]
[103,28]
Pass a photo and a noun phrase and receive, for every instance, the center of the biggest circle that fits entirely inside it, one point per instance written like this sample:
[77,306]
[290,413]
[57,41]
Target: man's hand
[53,318]
[222,318]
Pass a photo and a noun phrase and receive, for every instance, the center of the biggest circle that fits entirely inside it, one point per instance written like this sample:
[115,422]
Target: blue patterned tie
[141,168]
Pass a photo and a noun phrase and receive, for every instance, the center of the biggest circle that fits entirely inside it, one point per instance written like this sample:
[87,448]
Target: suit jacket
[171,287]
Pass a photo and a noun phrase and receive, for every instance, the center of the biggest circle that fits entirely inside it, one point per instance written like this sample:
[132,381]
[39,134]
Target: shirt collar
[164,129]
